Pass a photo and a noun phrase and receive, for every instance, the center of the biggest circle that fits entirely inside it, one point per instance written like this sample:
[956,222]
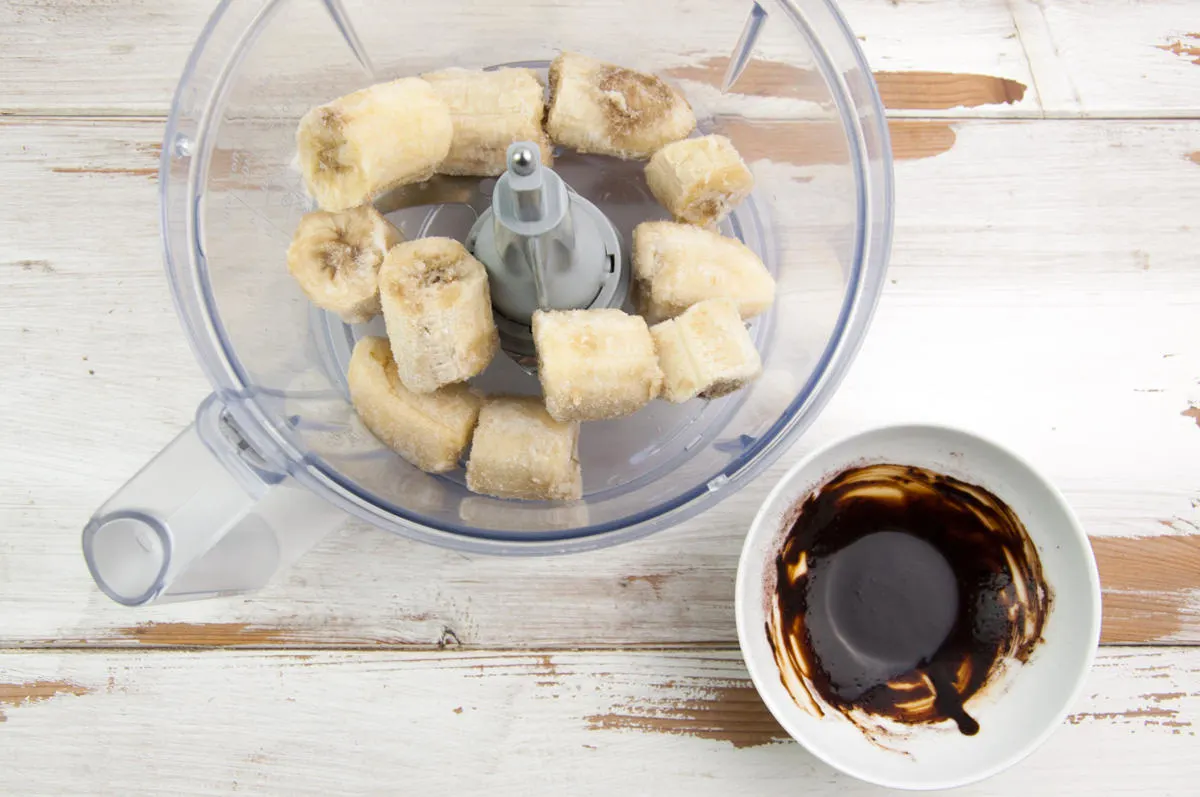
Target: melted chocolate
[899,592]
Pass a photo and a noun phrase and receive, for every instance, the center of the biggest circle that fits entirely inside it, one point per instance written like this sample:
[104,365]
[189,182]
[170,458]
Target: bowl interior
[1016,710]
[804,115]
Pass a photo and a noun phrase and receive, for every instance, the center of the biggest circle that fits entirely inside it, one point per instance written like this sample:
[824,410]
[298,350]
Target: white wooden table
[1048,230]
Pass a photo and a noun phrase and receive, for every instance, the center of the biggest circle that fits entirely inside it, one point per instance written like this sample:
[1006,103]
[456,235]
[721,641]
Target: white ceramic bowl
[1016,711]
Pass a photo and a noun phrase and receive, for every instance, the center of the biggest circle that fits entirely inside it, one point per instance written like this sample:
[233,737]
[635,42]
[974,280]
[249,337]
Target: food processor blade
[216,513]
[545,247]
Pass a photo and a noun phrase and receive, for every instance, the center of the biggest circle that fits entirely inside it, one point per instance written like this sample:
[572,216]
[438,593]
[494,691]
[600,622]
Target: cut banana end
[438,312]
[609,110]
[595,364]
[699,180]
[519,451]
[490,111]
[678,265]
[706,352]
[336,258]
[430,430]
[375,139]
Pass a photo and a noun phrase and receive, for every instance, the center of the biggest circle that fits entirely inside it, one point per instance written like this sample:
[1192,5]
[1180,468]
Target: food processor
[277,456]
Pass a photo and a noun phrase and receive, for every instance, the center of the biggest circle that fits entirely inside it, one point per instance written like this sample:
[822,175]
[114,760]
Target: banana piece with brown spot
[490,109]
[429,430]
[699,180]
[335,257]
[706,351]
[438,311]
[595,364]
[609,110]
[677,265]
[375,139]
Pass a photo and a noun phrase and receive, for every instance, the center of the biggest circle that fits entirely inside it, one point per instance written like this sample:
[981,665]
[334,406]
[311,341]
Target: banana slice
[706,351]
[609,110]
[595,364]
[519,451]
[490,111]
[678,265]
[430,430]
[368,142]
[336,257]
[699,180]
[438,311]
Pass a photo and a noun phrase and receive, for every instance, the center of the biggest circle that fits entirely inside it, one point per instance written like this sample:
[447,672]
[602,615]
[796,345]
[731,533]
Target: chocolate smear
[900,592]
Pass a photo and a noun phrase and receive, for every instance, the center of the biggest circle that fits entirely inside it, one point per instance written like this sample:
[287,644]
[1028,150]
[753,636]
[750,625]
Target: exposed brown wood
[1150,585]
[931,91]
[207,635]
[1153,715]
[1144,617]
[654,580]
[811,143]
[36,691]
[731,713]
[909,90]
[1167,563]
[912,140]
[761,78]
[152,173]
[1186,47]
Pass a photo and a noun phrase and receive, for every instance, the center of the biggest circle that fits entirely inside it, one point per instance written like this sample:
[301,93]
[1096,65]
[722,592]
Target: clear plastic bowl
[804,113]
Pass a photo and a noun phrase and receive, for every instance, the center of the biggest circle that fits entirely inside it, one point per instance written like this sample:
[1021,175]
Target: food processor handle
[204,518]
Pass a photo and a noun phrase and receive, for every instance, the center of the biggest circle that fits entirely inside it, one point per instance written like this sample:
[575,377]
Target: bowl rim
[760,670]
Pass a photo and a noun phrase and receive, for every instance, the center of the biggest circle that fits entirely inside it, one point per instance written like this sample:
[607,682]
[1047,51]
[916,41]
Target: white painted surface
[1018,305]
[603,723]
[1074,56]
[1043,291]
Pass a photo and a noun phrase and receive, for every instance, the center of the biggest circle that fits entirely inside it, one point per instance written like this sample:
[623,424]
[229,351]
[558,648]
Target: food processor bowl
[277,456]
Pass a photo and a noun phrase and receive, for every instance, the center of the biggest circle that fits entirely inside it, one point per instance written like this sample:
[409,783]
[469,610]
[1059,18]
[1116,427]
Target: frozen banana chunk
[609,110]
[519,451]
[430,430]
[336,258]
[373,140]
[678,265]
[438,312]
[594,364]
[490,111]
[699,180]
[706,351]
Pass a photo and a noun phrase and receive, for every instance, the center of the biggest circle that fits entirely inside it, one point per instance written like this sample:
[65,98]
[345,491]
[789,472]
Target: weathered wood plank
[661,722]
[934,57]
[1042,291]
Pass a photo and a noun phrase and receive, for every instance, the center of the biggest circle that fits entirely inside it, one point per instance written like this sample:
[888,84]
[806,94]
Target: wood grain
[933,91]
[1116,60]
[1009,273]
[1026,256]
[1132,59]
[35,691]
[808,143]
[664,722]
[915,90]
[1160,600]
[732,713]
[204,635]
